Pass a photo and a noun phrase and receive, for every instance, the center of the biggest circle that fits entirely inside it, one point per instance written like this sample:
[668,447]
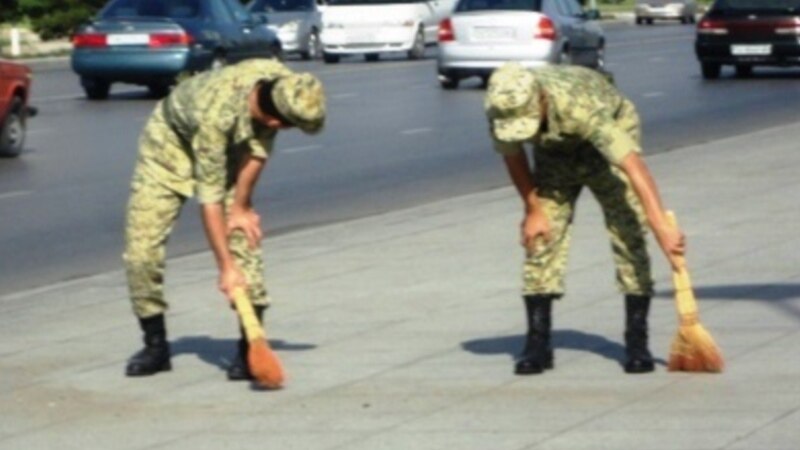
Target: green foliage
[58,18]
[9,11]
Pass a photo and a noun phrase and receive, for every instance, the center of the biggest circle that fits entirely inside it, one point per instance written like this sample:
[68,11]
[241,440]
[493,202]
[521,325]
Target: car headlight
[290,27]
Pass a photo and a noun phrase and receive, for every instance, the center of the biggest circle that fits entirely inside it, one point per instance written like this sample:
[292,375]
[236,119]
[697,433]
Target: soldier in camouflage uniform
[584,133]
[211,138]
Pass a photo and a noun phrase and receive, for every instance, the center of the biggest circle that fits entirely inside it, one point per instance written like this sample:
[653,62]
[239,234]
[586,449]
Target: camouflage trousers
[560,177]
[153,210]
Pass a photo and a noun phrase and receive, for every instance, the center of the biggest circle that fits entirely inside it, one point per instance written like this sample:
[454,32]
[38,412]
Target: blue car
[153,42]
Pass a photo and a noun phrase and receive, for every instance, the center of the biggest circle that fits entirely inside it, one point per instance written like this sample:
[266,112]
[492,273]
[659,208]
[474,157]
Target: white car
[482,35]
[649,10]
[371,27]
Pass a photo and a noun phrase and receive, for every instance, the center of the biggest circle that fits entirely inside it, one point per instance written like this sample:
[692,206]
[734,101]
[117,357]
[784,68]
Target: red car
[15,85]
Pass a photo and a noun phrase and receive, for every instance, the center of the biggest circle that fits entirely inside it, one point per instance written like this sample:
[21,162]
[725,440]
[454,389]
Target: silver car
[649,10]
[481,35]
[296,22]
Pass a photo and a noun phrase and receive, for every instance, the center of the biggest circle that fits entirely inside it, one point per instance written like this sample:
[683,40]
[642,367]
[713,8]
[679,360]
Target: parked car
[152,42]
[372,27]
[297,23]
[649,10]
[15,88]
[481,35]
[748,33]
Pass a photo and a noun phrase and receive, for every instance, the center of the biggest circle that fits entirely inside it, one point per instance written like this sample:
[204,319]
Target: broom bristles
[694,350]
[264,364]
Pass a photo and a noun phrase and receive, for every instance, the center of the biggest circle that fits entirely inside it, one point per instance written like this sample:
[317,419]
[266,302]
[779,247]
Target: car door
[241,29]
[571,17]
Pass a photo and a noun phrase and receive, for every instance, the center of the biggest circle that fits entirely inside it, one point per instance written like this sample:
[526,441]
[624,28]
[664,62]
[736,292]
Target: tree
[58,18]
[9,11]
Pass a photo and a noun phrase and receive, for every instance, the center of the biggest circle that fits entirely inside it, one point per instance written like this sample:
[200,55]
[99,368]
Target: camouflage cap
[512,103]
[301,99]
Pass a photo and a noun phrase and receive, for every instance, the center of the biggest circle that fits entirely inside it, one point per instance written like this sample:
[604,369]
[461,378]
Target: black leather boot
[239,370]
[155,356]
[537,355]
[640,360]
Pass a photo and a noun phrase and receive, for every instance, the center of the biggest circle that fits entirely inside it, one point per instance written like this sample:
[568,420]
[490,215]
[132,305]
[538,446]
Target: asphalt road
[393,140]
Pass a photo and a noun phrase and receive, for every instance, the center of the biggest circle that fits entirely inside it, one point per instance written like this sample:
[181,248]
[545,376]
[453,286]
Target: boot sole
[165,367]
[547,366]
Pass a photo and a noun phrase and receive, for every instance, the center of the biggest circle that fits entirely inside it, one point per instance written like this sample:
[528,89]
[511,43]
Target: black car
[152,42]
[748,33]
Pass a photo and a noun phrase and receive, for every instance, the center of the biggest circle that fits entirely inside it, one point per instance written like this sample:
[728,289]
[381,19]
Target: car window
[238,11]
[372,2]
[499,5]
[758,6]
[572,7]
[221,13]
[281,5]
[175,9]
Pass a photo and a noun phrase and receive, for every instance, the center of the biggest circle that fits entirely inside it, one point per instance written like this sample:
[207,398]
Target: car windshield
[499,5]
[281,5]
[173,9]
[371,2]
[764,7]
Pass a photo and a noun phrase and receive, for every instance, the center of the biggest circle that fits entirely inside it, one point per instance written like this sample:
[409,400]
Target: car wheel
[372,57]
[649,21]
[12,133]
[744,70]
[418,47]
[277,53]
[158,90]
[639,21]
[684,20]
[329,58]
[448,83]
[710,71]
[96,89]
[312,46]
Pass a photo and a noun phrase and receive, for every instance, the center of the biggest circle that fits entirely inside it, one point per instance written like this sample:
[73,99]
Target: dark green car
[153,42]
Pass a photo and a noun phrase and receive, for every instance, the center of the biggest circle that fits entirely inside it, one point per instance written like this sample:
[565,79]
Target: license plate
[751,50]
[493,33]
[128,39]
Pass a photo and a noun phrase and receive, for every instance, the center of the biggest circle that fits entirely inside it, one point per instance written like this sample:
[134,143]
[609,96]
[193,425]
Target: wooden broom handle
[684,294]
[252,327]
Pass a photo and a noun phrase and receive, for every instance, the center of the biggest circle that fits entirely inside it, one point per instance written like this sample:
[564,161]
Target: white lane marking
[653,94]
[14,194]
[416,131]
[344,96]
[301,149]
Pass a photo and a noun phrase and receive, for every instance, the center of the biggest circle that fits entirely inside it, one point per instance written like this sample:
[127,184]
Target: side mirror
[592,14]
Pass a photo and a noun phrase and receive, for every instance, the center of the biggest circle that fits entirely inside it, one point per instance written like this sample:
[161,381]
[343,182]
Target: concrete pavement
[398,332]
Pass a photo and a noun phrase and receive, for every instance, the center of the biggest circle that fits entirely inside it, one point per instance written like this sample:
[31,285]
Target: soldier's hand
[534,226]
[229,279]
[673,244]
[249,222]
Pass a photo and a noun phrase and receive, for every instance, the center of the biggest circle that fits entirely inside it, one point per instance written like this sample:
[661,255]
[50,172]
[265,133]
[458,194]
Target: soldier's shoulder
[261,68]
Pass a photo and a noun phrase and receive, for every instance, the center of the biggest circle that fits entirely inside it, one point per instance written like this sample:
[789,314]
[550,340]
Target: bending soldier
[584,134]
[210,137]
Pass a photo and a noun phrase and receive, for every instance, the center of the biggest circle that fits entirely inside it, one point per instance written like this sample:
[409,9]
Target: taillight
[170,39]
[545,29]
[89,40]
[792,28]
[707,26]
[446,33]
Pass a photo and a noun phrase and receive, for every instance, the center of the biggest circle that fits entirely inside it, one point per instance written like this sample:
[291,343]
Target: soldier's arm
[669,238]
[242,216]
[534,223]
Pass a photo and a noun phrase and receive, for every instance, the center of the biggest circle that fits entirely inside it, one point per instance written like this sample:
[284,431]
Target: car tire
[649,21]
[12,131]
[639,21]
[684,20]
[418,47]
[710,71]
[372,57]
[158,90]
[330,58]
[96,89]
[313,48]
[744,70]
[448,83]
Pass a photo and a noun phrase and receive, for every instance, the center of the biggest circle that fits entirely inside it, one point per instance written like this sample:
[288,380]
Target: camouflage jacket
[583,108]
[198,134]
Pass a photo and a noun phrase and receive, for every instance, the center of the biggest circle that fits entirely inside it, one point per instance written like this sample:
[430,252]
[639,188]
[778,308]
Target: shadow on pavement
[776,295]
[562,339]
[219,352]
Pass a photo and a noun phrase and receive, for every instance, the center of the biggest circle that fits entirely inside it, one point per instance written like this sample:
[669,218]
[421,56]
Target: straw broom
[693,349]
[263,362]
